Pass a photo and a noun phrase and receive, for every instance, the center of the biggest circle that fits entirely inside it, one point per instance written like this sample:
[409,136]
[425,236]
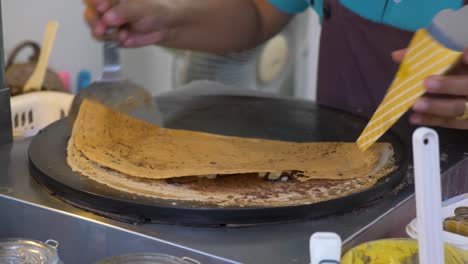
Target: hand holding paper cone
[425,57]
[453,87]
[447,111]
[433,52]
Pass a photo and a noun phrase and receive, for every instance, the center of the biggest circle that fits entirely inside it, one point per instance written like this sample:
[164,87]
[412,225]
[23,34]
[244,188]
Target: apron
[355,65]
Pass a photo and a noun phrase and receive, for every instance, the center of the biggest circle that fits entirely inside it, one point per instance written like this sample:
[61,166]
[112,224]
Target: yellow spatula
[37,78]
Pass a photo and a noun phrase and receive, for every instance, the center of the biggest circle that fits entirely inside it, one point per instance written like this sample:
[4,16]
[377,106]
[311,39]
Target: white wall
[74,48]
[307,55]
[150,67]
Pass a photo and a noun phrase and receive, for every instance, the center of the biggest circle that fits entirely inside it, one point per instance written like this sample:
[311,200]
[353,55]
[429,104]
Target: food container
[34,111]
[397,251]
[447,211]
[147,258]
[29,251]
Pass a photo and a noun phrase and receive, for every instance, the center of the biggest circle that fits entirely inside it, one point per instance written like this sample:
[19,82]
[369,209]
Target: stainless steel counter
[281,243]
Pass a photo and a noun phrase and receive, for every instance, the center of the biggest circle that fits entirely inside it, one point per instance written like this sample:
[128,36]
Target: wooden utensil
[37,78]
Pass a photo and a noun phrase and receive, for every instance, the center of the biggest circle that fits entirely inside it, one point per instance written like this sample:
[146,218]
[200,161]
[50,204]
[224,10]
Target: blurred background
[286,65]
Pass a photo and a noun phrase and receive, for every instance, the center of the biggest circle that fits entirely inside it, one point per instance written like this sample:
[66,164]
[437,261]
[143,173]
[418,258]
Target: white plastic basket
[34,111]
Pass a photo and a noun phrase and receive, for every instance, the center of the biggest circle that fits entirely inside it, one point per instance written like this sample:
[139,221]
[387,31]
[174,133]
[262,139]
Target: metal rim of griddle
[48,166]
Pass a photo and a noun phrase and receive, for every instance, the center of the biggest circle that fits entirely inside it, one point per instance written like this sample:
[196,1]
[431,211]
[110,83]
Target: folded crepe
[240,190]
[139,149]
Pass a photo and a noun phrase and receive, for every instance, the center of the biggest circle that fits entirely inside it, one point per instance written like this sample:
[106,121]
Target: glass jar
[15,250]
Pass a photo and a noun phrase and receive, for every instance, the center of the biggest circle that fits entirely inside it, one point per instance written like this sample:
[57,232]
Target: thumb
[465,56]
[399,55]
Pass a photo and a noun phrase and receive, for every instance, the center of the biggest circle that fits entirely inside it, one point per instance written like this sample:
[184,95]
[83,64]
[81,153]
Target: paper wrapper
[425,57]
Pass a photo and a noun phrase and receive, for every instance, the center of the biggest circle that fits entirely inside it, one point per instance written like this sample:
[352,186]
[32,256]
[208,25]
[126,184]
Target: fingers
[91,17]
[100,5]
[93,20]
[465,56]
[129,40]
[93,3]
[124,13]
[446,108]
[434,121]
[442,112]
[448,85]
[399,55]
[138,22]
[93,13]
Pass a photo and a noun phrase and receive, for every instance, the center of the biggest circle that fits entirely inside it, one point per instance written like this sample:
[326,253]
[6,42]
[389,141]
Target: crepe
[120,143]
[239,190]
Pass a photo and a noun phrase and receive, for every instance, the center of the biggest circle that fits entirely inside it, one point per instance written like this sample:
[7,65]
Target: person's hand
[140,22]
[213,26]
[446,101]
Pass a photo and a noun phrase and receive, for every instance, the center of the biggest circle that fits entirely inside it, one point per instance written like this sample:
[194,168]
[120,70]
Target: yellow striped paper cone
[425,57]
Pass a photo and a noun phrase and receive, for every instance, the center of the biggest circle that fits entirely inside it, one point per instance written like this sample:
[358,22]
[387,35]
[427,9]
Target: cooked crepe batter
[133,156]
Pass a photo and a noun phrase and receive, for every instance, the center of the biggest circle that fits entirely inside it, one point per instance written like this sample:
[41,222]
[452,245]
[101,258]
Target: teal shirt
[404,14]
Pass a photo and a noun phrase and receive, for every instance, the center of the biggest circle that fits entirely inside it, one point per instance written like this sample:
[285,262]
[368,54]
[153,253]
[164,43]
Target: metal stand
[5,108]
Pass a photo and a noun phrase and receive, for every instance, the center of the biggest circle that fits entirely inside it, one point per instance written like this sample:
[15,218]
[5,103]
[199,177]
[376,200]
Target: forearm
[221,25]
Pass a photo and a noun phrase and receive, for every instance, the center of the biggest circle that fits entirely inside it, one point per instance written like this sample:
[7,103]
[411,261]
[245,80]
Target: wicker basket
[18,73]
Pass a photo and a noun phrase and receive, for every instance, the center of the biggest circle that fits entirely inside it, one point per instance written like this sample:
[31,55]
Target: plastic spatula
[36,80]
[114,91]
[428,196]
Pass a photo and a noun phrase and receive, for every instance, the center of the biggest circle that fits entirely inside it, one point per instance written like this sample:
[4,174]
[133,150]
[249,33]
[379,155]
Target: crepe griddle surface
[246,116]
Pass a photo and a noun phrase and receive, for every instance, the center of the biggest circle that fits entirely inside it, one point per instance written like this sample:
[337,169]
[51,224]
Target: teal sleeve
[290,6]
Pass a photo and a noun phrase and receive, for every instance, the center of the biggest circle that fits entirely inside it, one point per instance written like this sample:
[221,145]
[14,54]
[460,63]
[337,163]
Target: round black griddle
[239,115]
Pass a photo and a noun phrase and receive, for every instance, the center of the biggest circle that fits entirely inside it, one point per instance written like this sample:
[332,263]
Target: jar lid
[28,251]
[145,258]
